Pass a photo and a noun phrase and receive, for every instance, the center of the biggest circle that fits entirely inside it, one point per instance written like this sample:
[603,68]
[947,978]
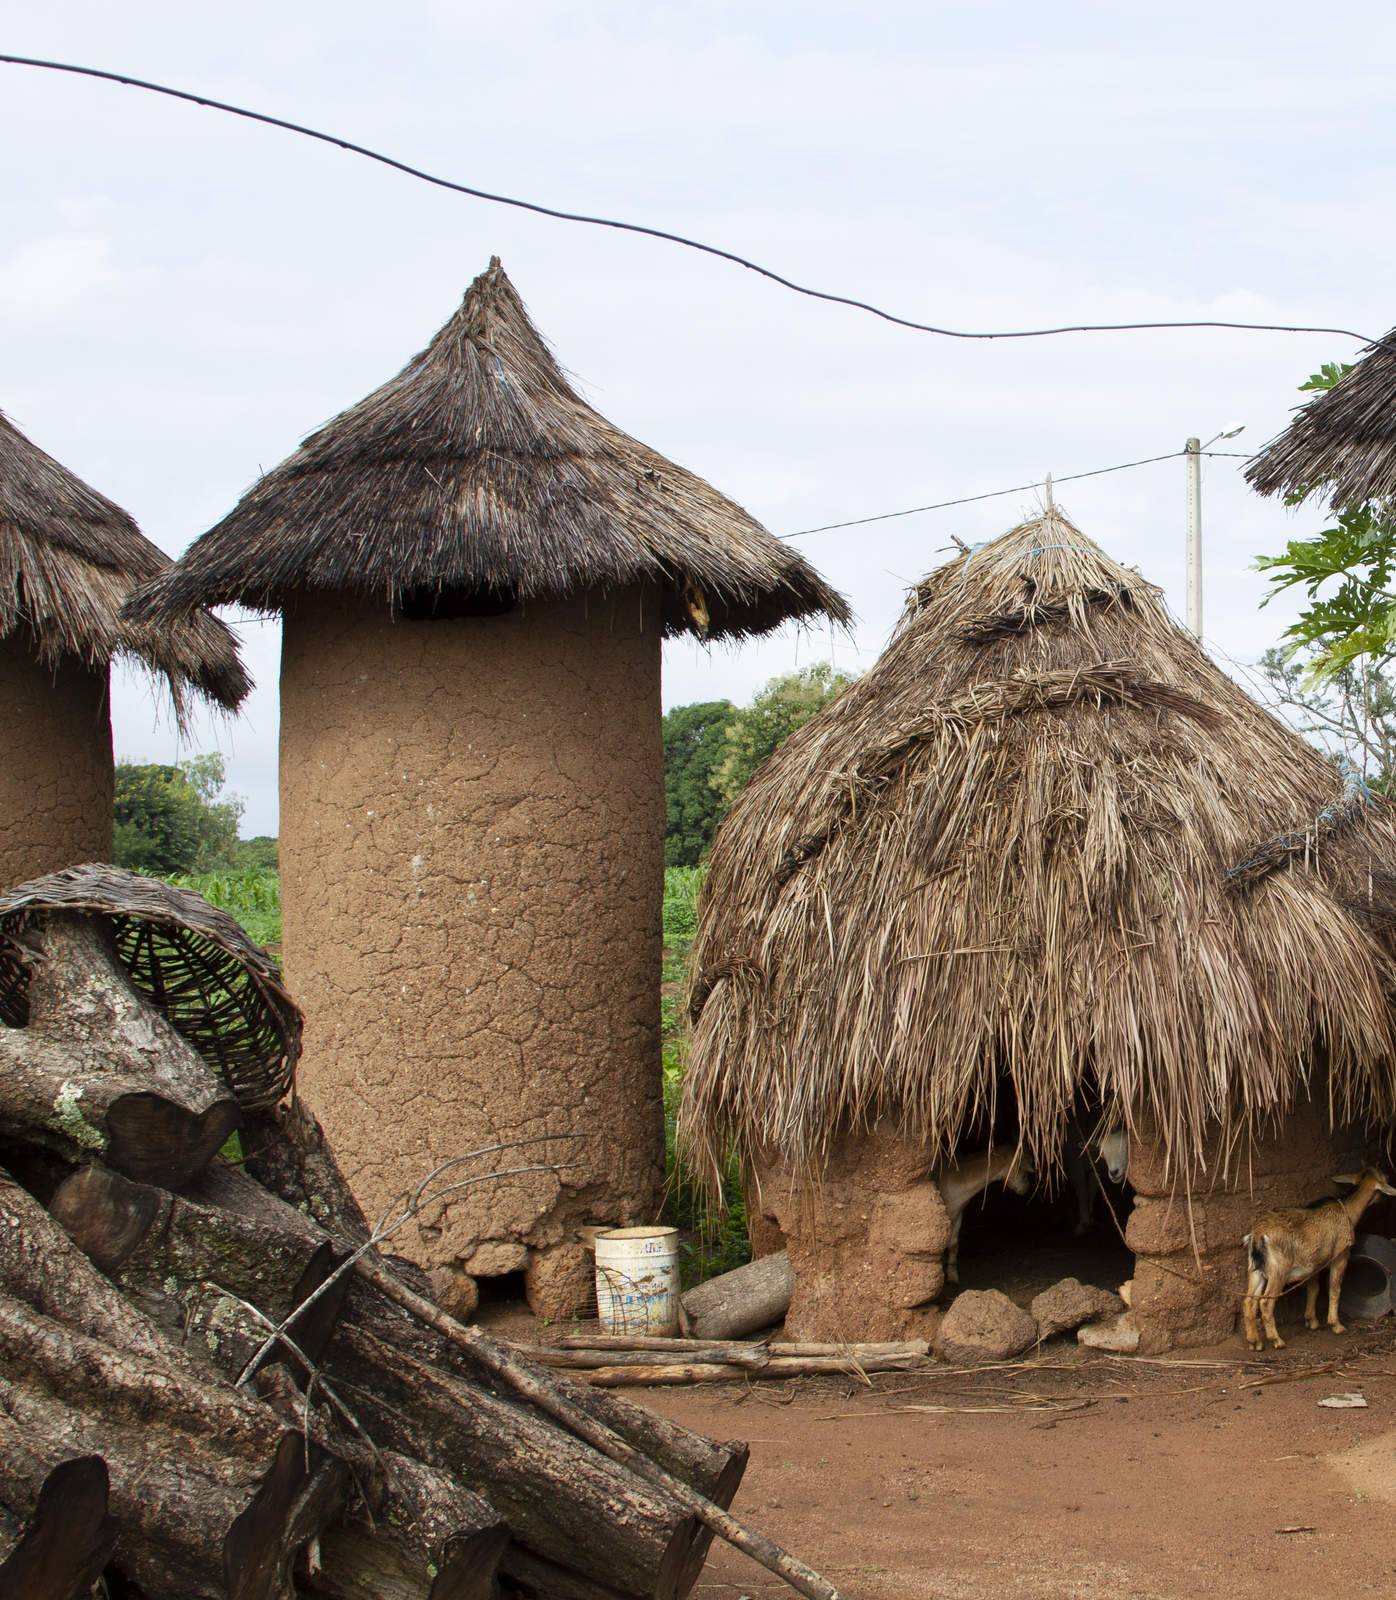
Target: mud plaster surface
[472,857]
[56,774]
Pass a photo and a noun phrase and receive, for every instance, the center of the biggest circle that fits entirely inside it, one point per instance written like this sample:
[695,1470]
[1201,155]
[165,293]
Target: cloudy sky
[183,296]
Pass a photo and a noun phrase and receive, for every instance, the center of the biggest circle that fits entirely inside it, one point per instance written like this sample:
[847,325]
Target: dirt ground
[1074,1474]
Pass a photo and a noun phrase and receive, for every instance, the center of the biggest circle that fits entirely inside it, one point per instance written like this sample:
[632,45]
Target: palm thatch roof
[479,467]
[68,559]
[1343,442]
[1043,849]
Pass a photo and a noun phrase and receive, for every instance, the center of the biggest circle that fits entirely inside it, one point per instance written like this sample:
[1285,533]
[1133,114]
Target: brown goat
[1290,1247]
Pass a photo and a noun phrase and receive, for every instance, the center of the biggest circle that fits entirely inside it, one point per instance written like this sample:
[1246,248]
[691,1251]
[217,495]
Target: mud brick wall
[867,1244]
[1182,1298]
[56,771]
[472,826]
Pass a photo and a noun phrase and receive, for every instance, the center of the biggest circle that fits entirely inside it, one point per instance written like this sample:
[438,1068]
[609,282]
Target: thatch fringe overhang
[479,467]
[994,875]
[1343,442]
[68,559]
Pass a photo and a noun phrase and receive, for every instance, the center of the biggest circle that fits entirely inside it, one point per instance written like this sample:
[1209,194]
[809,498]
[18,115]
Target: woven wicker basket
[192,961]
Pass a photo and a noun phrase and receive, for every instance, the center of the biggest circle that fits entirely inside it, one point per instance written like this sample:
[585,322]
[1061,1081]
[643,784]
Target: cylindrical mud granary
[471,916]
[476,572]
[68,558]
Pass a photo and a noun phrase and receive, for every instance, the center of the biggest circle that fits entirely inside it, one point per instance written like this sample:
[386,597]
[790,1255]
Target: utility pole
[1192,451]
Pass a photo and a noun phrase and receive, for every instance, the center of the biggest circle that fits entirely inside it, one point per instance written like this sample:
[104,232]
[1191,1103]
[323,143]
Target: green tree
[1345,572]
[787,702]
[693,746]
[170,820]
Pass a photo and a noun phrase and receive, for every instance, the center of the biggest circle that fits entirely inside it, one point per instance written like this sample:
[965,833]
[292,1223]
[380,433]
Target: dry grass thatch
[69,558]
[1043,851]
[479,467]
[223,993]
[1343,440]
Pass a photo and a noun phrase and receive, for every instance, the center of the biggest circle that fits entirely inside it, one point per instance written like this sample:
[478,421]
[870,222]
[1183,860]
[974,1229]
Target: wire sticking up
[207,101]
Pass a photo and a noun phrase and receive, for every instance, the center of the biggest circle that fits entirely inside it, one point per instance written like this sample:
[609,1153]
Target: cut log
[711,1468]
[562,1500]
[744,1300]
[212,1495]
[189,1261]
[537,1579]
[426,1538]
[640,1341]
[98,1070]
[40,1265]
[66,1539]
[286,1151]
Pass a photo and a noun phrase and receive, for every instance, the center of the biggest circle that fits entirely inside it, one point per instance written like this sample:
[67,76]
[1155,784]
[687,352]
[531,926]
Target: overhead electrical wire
[369,154]
[1020,488]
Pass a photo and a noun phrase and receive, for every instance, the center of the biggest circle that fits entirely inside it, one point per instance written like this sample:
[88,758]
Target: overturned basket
[192,961]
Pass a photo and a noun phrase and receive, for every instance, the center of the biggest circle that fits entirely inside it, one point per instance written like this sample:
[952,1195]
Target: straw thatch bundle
[68,559]
[479,467]
[1343,440]
[1043,850]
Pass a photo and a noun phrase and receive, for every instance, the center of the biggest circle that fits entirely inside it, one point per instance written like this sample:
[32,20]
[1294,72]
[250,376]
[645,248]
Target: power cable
[559,215]
[995,494]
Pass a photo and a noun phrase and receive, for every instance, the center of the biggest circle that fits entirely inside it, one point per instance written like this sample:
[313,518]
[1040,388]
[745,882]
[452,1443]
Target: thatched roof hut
[1343,442]
[69,558]
[479,467]
[475,572]
[998,866]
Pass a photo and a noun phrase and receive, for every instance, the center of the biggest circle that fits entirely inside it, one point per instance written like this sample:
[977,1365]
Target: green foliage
[174,819]
[694,743]
[257,854]
[1345,572]
[251,897]
[787,702]
[713,1240]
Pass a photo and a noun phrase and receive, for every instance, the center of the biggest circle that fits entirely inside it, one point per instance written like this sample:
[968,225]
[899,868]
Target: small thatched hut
[1343,442]
[1045,862]
[68,558]
[475,571]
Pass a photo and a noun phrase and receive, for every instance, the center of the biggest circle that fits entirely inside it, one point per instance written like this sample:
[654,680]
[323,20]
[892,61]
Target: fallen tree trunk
[191,1263]
[57,1549]
[286,1152]
[98,1070]
[744,1300]
[198,1521]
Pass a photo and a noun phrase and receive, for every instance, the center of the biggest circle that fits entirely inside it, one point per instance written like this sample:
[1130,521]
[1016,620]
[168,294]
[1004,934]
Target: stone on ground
[1066,1305]
[984,1325]
[1118,1334]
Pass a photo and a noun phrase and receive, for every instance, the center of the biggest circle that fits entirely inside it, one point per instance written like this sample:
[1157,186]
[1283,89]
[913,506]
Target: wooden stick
[636,1341]
[615,1377]
[494,1356]
[745,1357]
[858,1351]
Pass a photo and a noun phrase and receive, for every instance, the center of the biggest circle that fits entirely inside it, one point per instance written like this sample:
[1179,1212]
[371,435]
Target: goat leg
[1337,1267]
[1255,1287]
[1267,1312]
[1311,1303]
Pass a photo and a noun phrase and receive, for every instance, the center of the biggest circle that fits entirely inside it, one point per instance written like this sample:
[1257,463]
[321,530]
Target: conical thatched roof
[1043,848]
[68,559]
[479,466]
[1343,440]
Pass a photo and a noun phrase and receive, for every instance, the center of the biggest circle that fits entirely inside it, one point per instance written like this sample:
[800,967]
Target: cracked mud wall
[56,774]
[472,824]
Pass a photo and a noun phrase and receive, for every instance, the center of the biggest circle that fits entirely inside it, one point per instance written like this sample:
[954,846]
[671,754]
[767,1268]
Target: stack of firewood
[214,1384]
